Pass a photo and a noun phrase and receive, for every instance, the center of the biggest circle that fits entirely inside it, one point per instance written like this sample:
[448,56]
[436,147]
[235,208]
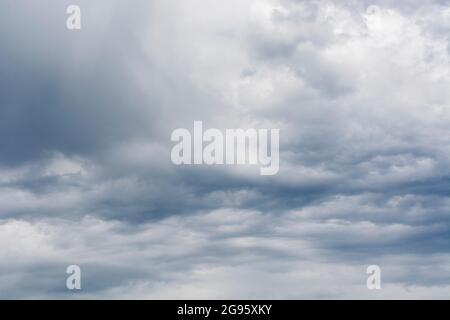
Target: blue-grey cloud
[362,103]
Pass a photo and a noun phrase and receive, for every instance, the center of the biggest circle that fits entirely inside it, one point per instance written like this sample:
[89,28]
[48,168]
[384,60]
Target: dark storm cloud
[85,170]
[59,90]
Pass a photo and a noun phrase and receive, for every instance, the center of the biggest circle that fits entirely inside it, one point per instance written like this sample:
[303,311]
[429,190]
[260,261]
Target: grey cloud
[85,171]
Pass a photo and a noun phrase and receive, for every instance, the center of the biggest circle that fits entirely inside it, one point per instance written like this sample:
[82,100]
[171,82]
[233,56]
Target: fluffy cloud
[359,90]
[212,255]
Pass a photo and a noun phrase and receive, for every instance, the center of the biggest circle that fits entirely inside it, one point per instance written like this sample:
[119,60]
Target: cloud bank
[358,89]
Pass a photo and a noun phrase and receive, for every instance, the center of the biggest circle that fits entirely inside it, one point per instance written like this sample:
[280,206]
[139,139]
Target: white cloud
[361,98]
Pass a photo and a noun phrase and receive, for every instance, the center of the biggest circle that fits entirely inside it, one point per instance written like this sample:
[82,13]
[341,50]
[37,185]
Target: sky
[359,90]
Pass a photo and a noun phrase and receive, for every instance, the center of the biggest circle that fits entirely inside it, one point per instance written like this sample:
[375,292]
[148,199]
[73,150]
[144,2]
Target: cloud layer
[358,89]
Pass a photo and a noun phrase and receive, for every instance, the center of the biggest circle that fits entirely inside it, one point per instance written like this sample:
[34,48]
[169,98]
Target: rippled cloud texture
[359,90]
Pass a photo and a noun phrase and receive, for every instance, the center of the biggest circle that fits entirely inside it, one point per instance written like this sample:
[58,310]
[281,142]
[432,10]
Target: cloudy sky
[359,90]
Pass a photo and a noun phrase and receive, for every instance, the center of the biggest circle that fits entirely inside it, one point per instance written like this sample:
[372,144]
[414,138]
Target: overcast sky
[359,91]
